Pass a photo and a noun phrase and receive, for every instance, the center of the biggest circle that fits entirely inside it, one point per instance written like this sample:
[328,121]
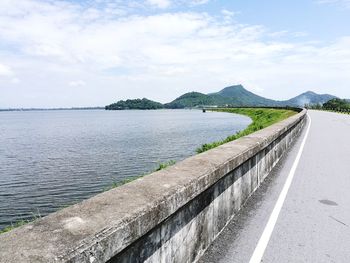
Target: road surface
[313,224]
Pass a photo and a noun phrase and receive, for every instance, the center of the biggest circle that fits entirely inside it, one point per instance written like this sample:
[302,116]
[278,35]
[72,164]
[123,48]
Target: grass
[261,118]
[165,165]
[15,225]
[20,223]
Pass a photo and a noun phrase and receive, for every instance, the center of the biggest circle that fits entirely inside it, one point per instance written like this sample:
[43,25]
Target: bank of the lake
[262,118]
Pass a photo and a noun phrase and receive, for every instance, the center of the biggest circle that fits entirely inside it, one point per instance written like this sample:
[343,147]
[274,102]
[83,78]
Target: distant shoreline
[92,108]
[53,109]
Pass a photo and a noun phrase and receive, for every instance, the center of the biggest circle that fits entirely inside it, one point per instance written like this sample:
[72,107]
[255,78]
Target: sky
[61,53]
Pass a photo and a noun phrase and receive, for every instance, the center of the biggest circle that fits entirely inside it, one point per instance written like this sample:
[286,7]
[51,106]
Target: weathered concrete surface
[314,223]
[169,216]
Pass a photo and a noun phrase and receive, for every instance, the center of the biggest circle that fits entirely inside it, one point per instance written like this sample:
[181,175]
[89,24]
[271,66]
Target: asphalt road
[314,222]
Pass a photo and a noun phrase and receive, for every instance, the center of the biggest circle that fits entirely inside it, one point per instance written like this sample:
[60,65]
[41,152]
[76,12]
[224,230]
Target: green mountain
[137,104]
[238,96]
[234,96]
[191,100]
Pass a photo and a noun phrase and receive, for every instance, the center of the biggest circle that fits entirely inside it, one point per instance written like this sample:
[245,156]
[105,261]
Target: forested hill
[238,96]
[233,96]
[137,104]
[230,96]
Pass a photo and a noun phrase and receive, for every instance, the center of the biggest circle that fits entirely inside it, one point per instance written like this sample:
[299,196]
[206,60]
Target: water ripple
[51,159]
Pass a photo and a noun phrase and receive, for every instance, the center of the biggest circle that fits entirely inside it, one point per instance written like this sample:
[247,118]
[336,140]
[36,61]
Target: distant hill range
[234,96]
[310,98]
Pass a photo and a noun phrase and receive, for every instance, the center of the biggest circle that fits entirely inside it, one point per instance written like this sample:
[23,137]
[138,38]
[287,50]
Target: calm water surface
[50,159]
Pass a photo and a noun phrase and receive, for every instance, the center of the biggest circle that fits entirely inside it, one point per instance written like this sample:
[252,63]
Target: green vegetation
[20,223]
[229,97]
[261,117]
[336,105]
[160,167]
[165,165]
[137,104]
[190,100]
[234,96]
[238,96]
[13,226]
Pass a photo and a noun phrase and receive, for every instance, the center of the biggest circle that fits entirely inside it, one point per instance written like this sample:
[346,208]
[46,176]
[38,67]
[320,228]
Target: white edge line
[266,235]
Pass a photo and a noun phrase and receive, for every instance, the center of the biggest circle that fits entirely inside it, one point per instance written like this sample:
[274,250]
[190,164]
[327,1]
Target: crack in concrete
[339,221]
[328,202]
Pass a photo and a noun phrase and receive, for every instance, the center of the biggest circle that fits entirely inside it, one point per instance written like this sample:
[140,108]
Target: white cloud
[300,34]
[159,3]
[228,13]
[343,3]
[15,81]
[5,70]
[163,4]
[122,54]
[77,83]
[198,2]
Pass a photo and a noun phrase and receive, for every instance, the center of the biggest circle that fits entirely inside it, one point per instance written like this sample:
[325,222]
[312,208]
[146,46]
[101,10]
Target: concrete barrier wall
[169,216]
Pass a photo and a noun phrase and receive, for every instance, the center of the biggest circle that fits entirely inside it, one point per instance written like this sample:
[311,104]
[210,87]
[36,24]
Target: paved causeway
[313,222]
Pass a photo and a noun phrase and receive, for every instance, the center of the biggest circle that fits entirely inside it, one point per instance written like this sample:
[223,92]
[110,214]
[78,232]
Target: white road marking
[266,235]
